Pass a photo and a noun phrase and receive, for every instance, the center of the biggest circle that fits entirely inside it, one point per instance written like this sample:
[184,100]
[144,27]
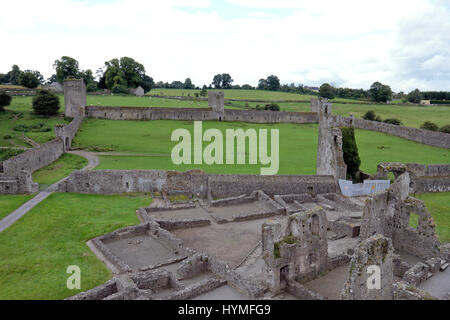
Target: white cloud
[351,43]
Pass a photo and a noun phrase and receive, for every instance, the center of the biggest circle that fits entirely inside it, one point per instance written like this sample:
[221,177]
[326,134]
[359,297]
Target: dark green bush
[428,125]
[369,115]
[7,137]
[445,129]
[350,152]
[5,100]
[272,107]
[46,103]
[92,87]
[393,121]
[119,89]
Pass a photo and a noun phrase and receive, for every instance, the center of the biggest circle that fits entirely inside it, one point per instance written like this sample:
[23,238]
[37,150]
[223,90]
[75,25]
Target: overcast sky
[348,43]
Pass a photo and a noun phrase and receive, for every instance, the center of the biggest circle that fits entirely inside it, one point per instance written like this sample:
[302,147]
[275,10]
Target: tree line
[119,75]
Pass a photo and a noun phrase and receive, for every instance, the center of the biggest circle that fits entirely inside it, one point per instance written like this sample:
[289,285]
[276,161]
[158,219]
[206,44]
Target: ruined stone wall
[20,184]
[374,251]
[194,183]
[34,159]
[388,213]
[432,138]
[198,114]
[39,157]
[424,178]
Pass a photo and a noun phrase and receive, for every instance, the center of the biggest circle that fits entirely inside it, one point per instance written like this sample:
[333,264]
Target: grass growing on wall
[36,251]
[439,206]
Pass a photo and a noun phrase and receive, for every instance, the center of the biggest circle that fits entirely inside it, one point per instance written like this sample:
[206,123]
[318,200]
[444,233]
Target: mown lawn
[36,251]
[243,94]
[58,170]
[9,203]
[147,145]
[439,206]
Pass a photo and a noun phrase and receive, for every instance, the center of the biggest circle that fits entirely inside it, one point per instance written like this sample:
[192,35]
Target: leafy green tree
[217,81]
[273,83]
[204,92]
[188,84]
[428,125]
[4,77]
[52,79]
[14,75]
[414,96]
[147,83]
[222,81]
[350,153]
[46,103]
[65,68]
[5,100]
[29,79]
[126,72]
[326,91]
[226,81]
[380,92]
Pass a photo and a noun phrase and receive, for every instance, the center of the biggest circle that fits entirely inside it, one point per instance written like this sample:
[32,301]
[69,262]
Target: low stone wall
[192,182]
[432,138]
[198,114]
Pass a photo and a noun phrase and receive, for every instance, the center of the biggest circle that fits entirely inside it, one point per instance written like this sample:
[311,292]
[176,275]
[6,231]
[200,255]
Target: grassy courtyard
[147,145]
[439,206]
[58,170]
[37,249]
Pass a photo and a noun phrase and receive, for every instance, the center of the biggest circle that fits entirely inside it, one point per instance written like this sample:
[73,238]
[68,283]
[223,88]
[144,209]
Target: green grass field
[9,203]
[147,145]
[36,251]
[439,206]
[243,94]
[58,170]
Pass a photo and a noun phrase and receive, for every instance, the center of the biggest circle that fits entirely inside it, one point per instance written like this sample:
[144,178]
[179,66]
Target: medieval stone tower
[330,159]
[74,97]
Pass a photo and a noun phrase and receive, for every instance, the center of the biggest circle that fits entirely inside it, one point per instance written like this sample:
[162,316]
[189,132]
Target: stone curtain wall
[198,114]
[15,173]
[193,183]
[39,157]
[432,138]
[35,158]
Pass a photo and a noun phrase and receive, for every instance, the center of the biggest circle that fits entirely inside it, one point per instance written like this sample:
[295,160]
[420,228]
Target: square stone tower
[74,97]
[216,101]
